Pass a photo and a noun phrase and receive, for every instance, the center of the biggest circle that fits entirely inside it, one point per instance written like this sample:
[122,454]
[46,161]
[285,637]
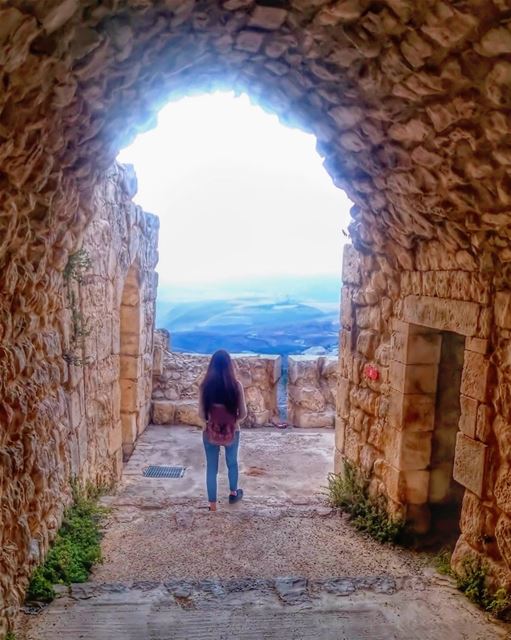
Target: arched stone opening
[410,105]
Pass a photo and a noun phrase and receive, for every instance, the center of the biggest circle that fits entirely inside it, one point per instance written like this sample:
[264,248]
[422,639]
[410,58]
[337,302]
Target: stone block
[503,537]
[306,419]
[346,308]
[130,367]
[394,482]
[129,427]
[276,368]
[157,366]
[340,429]
[416,348]
[474,378]
[338,461]
[115,437]
[417,486]
[502,309]
[187,412]
[303,370]
[74,407]
[131,320]
[412,412]
[308,398]
[343,392]
[469,463]
[440,482]
[130,400]
[479,345]
[409,328]
[408,450]
[502,489]
[413,378]
[369,318]
[267,17]
[468,416]
[131,344]
[163,412]
[439,313]
[350,265]
[483,423]
[351,445]
[367,342]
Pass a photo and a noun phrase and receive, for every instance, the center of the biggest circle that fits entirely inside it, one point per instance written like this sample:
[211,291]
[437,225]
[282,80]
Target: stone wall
[177,377]
[311,391]
[66,421]
[409,101]
[394,325]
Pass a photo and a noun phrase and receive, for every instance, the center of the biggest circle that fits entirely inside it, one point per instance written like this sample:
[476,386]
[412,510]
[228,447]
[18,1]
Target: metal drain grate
[155,471]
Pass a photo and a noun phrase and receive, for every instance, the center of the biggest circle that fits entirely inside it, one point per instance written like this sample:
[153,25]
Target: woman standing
[222,407]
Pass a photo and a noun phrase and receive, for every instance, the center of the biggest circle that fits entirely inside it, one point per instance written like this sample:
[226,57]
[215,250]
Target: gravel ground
[253,540]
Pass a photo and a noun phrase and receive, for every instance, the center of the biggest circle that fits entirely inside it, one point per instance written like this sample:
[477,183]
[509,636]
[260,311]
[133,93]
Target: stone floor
[280,564]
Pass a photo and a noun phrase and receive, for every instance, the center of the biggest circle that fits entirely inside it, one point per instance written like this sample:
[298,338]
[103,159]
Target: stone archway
[410,105]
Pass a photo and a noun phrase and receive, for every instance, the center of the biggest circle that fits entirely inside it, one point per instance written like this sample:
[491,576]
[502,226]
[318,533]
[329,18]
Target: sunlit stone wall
[311,391]
[389,410]
[177,377]
[75,424]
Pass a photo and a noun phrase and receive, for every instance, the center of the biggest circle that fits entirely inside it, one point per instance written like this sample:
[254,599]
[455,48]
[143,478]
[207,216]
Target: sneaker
[238,496]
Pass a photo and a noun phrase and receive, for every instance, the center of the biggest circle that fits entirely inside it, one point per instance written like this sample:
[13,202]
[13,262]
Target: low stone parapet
[177,376]
[311,391]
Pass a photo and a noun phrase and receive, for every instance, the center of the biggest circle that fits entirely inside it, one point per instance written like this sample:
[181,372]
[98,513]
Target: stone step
[355,608]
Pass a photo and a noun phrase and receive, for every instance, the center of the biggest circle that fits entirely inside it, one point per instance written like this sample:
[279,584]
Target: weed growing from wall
[74,272]
[75,549]
[472,581]
[349,491]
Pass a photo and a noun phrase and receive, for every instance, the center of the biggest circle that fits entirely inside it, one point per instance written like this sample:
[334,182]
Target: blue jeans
[231,460]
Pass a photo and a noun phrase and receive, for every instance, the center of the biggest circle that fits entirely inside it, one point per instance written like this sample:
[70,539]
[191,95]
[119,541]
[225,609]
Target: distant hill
[282,316]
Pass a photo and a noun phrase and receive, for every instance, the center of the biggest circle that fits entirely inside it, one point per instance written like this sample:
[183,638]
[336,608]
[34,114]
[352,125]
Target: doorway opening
[445,494]
[251,227]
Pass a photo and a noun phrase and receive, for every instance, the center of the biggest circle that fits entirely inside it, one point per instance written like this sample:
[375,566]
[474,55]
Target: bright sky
[238,194]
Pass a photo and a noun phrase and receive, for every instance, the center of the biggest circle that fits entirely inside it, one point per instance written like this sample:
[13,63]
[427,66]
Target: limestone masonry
[410,102]
[311,391]
[176,387]
[311,387]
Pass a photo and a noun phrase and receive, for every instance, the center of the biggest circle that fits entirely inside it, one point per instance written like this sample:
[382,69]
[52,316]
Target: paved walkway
[174,570]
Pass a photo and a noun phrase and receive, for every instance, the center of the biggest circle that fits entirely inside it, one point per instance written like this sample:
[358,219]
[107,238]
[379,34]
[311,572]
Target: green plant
[442,563]
[75,549]
[349,491]
[472,581]
[10,636]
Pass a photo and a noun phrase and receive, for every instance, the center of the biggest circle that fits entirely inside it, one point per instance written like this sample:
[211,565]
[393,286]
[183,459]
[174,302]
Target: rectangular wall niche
[436,387]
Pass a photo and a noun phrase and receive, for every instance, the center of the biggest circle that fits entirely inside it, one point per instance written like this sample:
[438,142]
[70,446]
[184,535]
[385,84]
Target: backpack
[220,426]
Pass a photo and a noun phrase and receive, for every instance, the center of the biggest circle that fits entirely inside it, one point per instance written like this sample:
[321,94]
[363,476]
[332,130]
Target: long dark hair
[220,385]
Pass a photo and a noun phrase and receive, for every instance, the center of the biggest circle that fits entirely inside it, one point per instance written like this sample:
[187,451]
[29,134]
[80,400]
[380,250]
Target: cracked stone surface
[372,608]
